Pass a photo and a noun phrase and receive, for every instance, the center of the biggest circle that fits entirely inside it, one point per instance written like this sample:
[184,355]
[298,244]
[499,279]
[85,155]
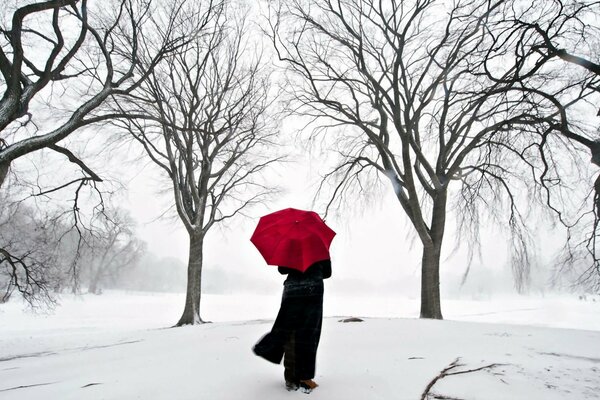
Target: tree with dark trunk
[403,89]
[67,47]
[202,117]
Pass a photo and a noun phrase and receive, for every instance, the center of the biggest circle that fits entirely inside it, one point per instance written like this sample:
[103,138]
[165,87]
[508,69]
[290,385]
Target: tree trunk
[191,312]
[430,282]
[94,286]
[3,172]
[430,262]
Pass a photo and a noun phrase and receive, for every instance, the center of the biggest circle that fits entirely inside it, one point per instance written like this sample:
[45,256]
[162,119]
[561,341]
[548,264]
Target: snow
[119,346]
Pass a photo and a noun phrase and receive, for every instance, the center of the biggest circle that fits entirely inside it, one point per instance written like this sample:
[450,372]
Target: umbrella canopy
[293,238]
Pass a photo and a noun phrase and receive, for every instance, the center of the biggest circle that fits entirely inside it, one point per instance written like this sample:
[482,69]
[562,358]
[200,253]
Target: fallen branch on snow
[448,371]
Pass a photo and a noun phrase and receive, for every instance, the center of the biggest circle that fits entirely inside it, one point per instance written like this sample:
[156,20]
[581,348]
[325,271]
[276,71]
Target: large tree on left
[59,62]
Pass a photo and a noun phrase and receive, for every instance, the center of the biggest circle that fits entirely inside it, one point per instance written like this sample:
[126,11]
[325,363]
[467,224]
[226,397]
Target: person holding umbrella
[298,243]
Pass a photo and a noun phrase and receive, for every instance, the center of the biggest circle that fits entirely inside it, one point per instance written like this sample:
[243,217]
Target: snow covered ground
[119,346]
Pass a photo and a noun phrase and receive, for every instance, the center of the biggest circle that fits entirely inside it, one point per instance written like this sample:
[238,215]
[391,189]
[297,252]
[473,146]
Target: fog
[373,254]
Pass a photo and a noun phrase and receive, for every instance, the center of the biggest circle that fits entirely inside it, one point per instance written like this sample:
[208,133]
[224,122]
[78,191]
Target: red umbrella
[292,238]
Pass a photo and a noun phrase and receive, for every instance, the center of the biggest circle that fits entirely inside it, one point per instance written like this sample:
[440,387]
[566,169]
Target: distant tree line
[43,256]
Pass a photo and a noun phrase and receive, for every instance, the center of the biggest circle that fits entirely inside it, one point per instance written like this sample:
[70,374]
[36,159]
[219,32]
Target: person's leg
[307,348]
[289,360]
[308,336]
[295,306]
[289,363]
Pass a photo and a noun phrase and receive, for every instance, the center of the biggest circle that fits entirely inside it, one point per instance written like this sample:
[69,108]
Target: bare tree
[203,118]
[33,261]
[39,51]
[113,248]
[404,89]
[24,270]
[60,60]
[559,39]
[40,251]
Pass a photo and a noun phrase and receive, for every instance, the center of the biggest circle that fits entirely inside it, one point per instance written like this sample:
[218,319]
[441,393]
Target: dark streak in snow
[27,386]
[91,384]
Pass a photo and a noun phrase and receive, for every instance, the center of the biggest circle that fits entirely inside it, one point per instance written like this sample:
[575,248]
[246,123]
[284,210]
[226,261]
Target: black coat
[318,271]
[297,328]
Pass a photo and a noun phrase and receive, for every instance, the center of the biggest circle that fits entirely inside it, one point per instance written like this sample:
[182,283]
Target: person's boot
[308,385]
[291,386]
